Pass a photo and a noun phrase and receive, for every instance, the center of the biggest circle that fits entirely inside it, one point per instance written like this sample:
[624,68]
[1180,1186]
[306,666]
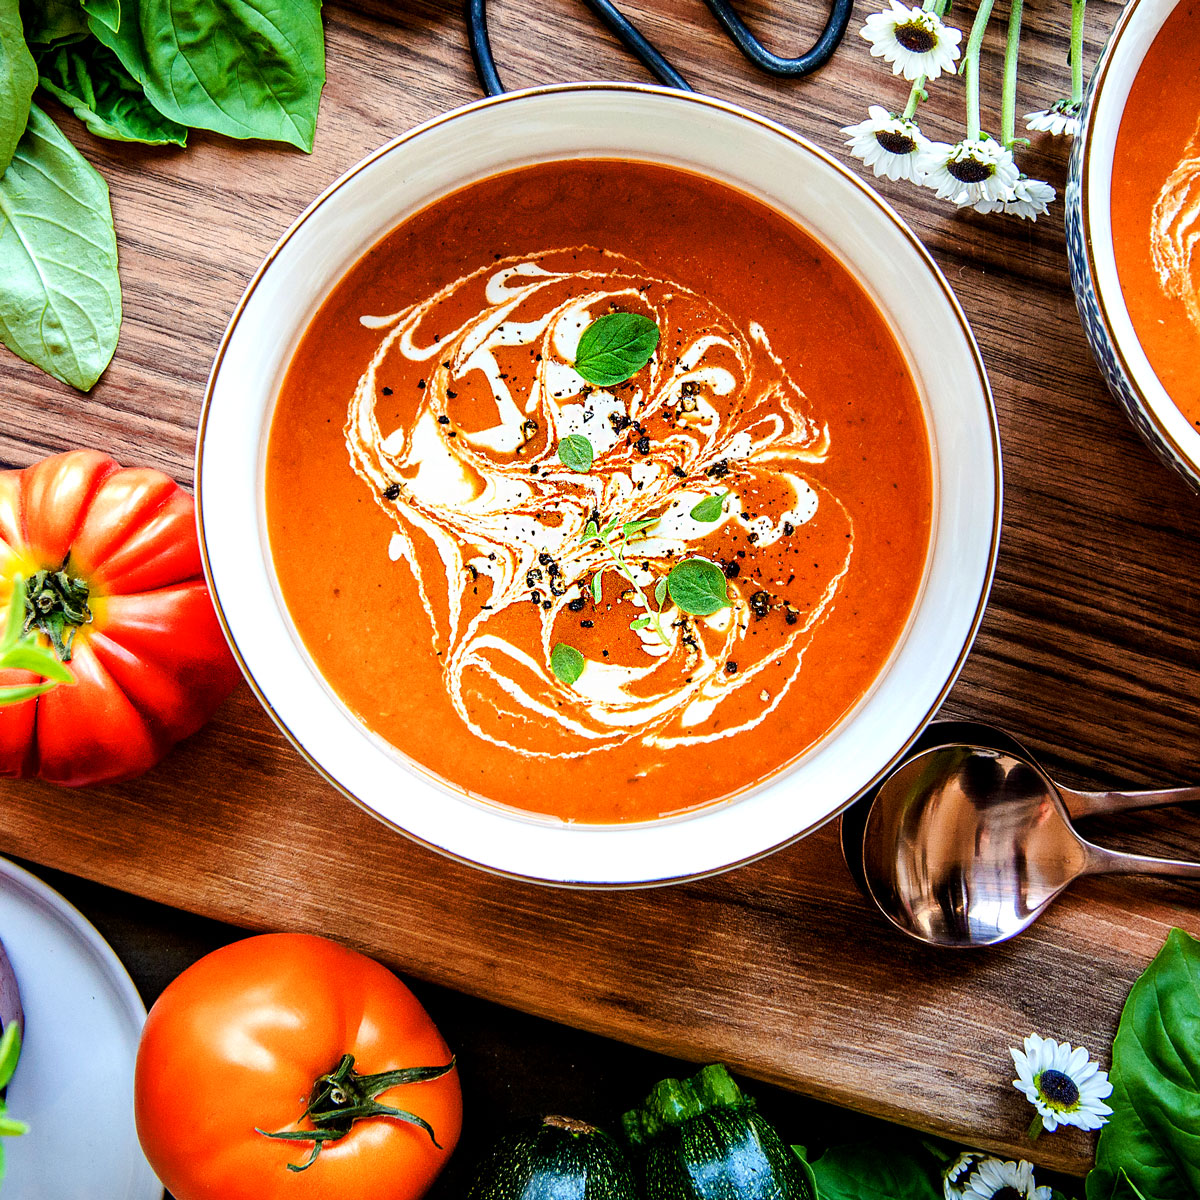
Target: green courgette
[557,1158]
[702,1139]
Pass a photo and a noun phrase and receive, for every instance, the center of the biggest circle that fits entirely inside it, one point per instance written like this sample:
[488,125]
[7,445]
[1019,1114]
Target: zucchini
[557,1158]
[702,1139]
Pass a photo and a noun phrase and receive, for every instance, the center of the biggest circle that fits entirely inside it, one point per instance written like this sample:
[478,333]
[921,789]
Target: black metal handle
[805,64]
[647,54]
[625,30]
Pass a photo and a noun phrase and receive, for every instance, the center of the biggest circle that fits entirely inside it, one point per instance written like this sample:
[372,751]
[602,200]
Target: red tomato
[111,559]
[240,1043]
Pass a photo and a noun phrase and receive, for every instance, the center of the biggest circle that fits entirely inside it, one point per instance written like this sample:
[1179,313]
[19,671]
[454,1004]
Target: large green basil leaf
[53,22]
[16,84]
[60,299]
[888,1170]
[107,13]
[90,80]
[244,68]
[1153,1135]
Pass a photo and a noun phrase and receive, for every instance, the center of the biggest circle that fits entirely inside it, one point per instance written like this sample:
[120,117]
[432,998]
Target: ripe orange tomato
[248,1038]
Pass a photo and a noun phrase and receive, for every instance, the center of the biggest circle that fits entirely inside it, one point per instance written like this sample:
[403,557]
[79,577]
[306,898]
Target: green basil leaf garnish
[660,591]
[249,70]
[90,80]
[639,623]
[18,78]
[60,299]
[615,347]
[697,586]
[575,452]
[710,508]
[597,587]
[566,662]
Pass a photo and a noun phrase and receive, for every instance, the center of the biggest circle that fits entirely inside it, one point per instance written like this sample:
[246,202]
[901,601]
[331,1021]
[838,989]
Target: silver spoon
[965,844]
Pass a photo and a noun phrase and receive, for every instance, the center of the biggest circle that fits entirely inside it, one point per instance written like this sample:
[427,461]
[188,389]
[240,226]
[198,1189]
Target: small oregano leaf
[710,508]
[615,347]
[697,586]
[566,662]
[575,452]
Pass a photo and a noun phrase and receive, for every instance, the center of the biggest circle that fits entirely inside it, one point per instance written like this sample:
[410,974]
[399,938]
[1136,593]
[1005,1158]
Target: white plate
[74,1083]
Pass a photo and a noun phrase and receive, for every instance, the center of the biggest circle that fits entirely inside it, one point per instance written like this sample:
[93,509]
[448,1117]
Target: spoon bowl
[968,841]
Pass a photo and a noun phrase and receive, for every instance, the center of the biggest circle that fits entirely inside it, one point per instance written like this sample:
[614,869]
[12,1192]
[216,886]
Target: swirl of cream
[1175,231]
[508,520]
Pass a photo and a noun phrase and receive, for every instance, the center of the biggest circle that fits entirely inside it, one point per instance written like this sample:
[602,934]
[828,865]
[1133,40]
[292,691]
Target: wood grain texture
[1088,651]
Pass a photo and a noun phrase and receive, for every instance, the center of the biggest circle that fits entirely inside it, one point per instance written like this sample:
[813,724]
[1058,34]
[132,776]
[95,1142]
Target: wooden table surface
[1088,650]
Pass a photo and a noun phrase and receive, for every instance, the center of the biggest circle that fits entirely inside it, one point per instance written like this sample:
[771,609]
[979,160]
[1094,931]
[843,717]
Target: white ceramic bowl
[601,121]
[1106,320]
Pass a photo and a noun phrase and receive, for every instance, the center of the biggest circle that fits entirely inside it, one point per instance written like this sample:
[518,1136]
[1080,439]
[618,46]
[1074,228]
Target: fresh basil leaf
[1154,1131]
[887,1170]
[660,591]
[639,623]
[615,347]
[53,22]
[566,662]
[710,508]
[590,530]
[90,80]
[108,14]
[60,298]
[16,84]
[575,452]
[597,587]
[698,587]
[254,69]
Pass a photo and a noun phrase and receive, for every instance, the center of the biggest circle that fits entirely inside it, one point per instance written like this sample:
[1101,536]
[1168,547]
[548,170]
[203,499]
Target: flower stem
[917,92]
[915,96]
[1077,7]
[1008,104]
[1035,1127]
[970,67]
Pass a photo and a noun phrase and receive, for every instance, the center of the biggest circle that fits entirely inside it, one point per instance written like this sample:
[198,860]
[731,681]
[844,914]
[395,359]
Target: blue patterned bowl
[1106,321]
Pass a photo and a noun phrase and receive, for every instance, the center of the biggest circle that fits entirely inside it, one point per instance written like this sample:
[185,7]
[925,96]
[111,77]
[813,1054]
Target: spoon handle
[1087,804]
[1113,862]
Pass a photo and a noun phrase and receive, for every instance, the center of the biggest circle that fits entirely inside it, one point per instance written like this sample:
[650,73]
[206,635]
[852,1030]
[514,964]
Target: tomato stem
[56,604]
[342,1096]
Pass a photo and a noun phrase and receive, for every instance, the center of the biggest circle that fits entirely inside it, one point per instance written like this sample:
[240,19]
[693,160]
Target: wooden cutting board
[780,968]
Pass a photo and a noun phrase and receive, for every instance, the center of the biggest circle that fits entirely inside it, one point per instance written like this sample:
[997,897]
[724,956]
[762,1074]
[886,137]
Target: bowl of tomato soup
[600,484]
[1133,224]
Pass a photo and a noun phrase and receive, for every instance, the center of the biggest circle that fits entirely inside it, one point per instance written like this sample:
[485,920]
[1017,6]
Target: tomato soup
[1156,206]
[612,600]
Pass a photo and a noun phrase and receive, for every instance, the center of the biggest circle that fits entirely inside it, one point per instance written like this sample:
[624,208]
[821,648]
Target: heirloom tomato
[287,1066]
[113,580]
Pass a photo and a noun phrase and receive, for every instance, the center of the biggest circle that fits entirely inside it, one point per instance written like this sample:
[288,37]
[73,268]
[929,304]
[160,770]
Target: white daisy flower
[954,1177]
[972,170]
[992,1179]
[1062,1083]
[915,41]
[1029,199]
[1061,117]
[891,146]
